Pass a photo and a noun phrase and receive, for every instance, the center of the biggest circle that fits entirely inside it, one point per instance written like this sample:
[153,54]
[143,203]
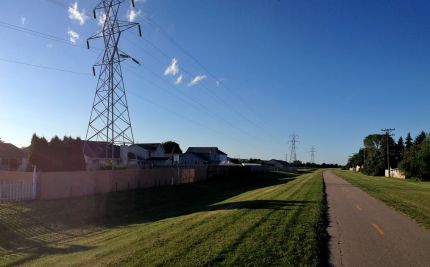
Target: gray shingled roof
[205,150]
[10,151]
[149,146]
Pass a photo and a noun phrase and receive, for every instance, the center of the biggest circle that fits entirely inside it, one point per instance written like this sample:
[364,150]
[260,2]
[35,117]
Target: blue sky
[329,71]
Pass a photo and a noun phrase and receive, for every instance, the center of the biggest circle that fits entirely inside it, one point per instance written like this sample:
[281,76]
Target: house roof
[274,161]
[203,157]
[10,151]
[94,149]
[205,150]
[150,146]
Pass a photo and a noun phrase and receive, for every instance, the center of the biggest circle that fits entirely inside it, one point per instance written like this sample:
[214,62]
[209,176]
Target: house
[148,154]
[98,155]
[203,156]
[12,158]
[280,165]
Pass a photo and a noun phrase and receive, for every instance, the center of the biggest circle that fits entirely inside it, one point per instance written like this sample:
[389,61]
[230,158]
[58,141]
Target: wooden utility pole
[388,134]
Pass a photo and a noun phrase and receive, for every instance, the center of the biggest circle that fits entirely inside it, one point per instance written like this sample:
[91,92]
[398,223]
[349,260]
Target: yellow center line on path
[358,207]
[379,229]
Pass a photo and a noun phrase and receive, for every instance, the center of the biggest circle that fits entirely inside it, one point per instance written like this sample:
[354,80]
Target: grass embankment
[277,219]
[409,197]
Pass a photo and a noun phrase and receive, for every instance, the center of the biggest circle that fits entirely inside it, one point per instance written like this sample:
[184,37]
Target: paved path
[366,232]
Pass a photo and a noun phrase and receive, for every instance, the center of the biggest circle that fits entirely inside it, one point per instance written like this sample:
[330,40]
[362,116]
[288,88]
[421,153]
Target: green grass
[275,219]
[410,197]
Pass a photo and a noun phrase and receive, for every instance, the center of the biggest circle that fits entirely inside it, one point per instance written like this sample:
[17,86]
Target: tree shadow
[34,228]
[259,204]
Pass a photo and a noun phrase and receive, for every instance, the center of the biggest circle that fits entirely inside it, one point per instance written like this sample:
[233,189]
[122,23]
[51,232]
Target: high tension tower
[110,120]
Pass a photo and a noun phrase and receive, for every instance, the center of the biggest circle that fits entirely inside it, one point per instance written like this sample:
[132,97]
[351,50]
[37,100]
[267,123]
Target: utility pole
[388,135]
[110,119]
[313,155]
[293,140]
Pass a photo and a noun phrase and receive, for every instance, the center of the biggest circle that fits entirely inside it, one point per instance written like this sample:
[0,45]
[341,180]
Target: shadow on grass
[33,227]
[259,204]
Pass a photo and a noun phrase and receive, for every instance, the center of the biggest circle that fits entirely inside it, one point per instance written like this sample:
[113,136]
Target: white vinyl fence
[13,191]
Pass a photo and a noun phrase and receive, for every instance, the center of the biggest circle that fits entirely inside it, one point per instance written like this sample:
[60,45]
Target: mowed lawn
[409,197]
[273,219]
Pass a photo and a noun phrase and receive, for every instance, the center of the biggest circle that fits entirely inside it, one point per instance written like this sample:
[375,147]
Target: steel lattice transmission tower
[110,118]
[293,140]
[313,155]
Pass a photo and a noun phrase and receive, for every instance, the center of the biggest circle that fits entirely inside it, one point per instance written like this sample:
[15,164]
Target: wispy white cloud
[173,68]
[179,79]
[132,14]
[73,36]
[23,20]
[197,79]
[75,14]
[101,18]
[49,45]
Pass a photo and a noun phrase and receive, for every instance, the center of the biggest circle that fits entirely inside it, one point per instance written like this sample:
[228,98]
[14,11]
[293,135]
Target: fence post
[33,185]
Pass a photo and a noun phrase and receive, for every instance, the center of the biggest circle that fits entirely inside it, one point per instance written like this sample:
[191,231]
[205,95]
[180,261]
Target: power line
[184,117]
[42,66]
[43,35]
[186,52]
[213,94]
[188,99]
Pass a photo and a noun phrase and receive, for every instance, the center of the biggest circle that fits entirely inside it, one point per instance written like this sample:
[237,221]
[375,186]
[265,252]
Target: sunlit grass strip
[410,197]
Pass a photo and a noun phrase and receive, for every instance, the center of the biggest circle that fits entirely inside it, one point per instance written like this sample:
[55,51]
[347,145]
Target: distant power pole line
[313,151]
[293,140]
[110,118]
[388,135]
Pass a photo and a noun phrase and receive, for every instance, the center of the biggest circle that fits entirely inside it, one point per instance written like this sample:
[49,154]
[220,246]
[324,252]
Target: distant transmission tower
[110,120]
[293,140]
[313,155]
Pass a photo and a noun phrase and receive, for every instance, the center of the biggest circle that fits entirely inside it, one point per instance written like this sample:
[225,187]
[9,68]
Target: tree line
[58,154]
[67,154]
[411,155]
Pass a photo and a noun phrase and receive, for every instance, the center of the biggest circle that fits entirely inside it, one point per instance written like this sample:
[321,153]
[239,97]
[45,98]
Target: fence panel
[13,191]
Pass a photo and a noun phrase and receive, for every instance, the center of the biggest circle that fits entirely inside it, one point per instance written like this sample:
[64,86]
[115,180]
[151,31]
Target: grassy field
[277,219]
[409,197]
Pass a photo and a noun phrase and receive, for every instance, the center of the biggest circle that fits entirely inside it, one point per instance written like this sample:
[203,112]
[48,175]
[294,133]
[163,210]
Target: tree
[375,145]
[398,152]
[1,141]
[357,159]
[57,155]
[408,142]
[416,161]
[400,144]
[420,138]
[171,147]
[374,141]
